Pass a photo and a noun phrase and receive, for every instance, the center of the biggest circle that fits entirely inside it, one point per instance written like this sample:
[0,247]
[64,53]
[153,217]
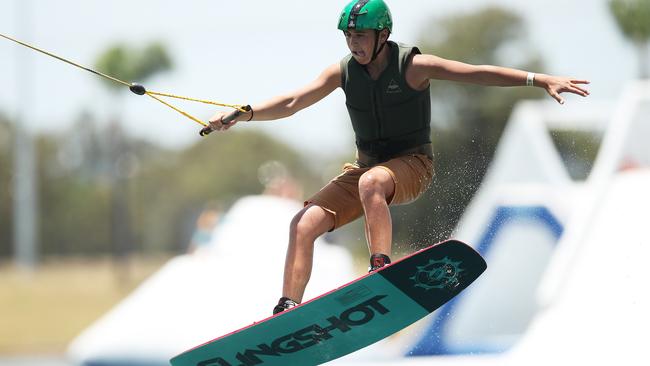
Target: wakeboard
[350,317]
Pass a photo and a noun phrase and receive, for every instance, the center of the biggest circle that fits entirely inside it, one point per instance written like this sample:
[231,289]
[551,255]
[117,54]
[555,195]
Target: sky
[243,52]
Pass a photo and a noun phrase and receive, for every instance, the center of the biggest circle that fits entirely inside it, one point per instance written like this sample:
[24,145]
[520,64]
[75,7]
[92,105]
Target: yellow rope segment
[234,106]
[152,94]
[178,110]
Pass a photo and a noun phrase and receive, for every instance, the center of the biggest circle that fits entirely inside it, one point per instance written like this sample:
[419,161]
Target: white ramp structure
[195,298]
[567,259]
[594,298]
[516,221]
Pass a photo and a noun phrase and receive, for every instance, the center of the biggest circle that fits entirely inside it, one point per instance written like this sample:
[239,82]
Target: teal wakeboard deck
[351,317]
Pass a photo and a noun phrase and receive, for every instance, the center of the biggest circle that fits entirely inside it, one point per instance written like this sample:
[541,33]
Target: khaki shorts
[412,175]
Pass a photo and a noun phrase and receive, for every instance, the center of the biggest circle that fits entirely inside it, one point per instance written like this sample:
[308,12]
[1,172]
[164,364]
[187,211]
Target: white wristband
[530,79]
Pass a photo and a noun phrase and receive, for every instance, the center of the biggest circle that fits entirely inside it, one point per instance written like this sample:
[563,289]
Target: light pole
[25,197]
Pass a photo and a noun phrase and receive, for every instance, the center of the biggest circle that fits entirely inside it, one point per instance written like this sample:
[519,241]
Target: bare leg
[376,186]
[310,223]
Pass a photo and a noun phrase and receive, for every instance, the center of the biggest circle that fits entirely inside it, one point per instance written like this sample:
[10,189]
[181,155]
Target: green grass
[41,312]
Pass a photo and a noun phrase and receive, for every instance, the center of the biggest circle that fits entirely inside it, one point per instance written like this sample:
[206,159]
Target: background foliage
[103,191]
[633,19]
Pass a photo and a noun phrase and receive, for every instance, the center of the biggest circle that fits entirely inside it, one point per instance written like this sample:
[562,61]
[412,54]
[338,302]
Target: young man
[387,95]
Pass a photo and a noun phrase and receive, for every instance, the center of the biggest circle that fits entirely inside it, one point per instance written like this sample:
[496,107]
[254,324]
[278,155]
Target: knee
[310,223]
[301,228]
[371,186]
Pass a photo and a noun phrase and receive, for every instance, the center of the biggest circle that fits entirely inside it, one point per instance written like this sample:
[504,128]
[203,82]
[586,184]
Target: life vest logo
[393,87]
[438,274]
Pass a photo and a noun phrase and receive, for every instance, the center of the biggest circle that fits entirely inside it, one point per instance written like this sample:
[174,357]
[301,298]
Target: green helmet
[366,14]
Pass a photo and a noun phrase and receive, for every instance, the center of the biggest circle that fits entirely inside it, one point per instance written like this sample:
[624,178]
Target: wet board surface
[351,317]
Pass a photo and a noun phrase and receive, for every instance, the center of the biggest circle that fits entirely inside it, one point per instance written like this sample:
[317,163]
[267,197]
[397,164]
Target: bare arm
[425,67]
[288,104]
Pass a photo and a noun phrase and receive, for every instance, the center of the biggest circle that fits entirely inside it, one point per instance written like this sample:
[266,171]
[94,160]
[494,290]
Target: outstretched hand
[216,122]
[556,85]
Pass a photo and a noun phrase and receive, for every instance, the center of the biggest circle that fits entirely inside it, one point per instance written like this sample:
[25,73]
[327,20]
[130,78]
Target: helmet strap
[375,51]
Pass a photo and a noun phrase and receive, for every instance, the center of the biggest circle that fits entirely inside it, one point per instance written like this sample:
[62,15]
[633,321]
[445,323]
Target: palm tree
[633,18]
[128,64]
